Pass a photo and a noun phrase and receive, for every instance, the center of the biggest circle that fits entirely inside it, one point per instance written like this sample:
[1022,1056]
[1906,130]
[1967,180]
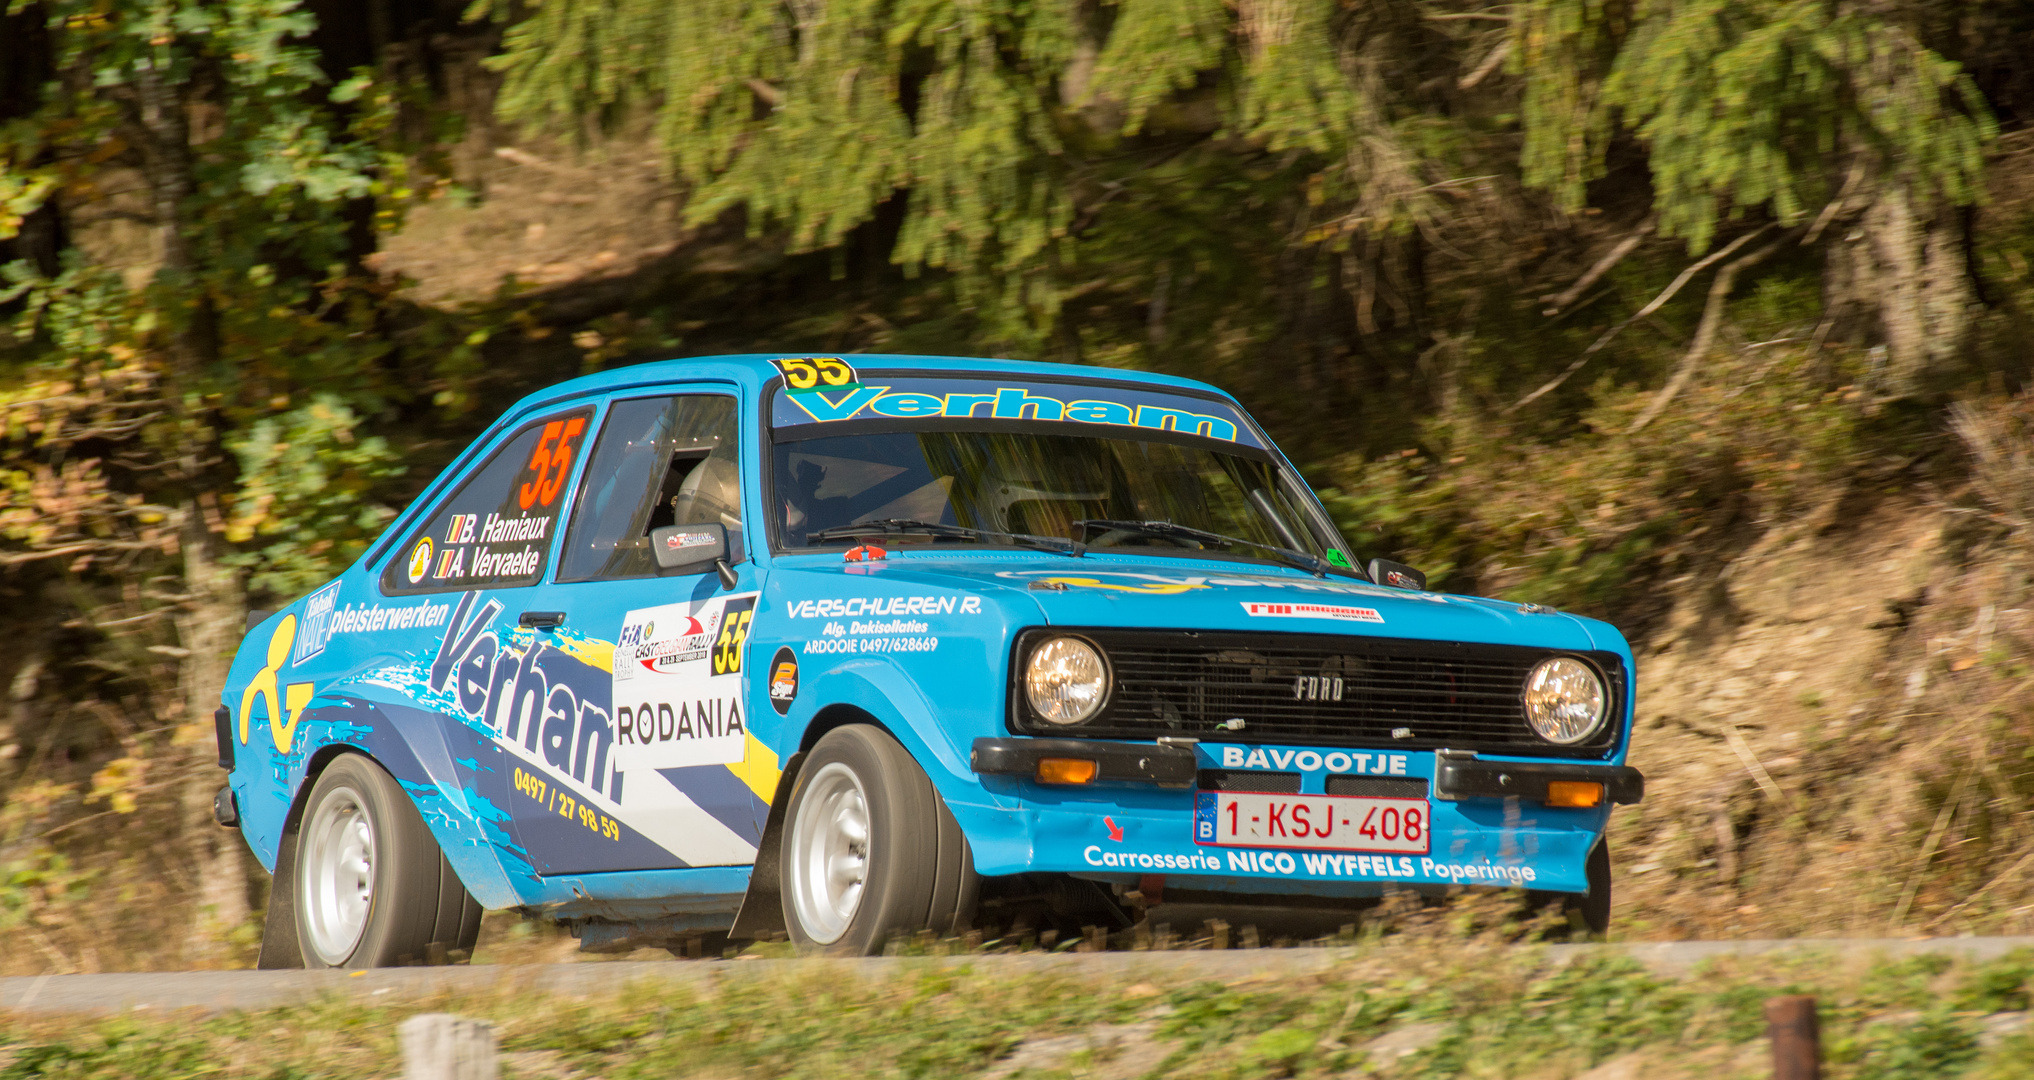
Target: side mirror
[1397,575]
[689,548]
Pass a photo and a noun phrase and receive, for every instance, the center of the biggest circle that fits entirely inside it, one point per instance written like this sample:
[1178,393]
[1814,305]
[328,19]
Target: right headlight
[1066,680]
[1565,700]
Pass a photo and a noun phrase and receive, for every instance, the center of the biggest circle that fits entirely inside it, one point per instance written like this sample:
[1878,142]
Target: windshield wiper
[904,526]
[1300,559]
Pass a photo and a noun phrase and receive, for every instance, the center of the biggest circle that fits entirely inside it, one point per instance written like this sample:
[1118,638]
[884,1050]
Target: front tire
[370,888]
[870,850]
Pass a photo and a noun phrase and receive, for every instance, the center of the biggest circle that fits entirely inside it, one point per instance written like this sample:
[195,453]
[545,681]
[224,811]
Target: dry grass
[1838,728]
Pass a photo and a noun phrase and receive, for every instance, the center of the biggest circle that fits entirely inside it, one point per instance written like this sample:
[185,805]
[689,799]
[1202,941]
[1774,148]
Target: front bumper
[1167,766]
[1459,775]
[1490,825]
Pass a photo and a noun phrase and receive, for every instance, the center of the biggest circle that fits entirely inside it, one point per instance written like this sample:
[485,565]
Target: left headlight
[1066,680]
[1565,701]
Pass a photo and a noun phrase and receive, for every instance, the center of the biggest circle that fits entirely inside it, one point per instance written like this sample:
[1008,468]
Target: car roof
[755,369]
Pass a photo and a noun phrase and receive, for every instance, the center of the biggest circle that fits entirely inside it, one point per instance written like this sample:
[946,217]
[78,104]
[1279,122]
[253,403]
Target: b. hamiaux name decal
[678,684]
[541,701]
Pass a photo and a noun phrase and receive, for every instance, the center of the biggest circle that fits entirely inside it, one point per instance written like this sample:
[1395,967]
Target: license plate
[1311,822]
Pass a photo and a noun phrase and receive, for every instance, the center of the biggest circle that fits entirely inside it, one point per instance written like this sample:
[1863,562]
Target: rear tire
[870,850]
[369,886]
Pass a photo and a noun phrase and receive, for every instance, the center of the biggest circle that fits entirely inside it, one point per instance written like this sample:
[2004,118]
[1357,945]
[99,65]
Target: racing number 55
[549,462]
[734,633]
[808,372]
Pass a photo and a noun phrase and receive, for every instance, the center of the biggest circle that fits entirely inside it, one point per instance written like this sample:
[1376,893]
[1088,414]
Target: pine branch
[1483,70]
[1705,332]
[1559,301]
[1657,302]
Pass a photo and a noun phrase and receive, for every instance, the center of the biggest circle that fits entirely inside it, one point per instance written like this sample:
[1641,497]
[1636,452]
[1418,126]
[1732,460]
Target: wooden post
[440,1046]
[1797,1042]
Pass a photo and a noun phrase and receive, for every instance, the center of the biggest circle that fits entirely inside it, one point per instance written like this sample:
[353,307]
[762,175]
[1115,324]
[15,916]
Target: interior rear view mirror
[694,548]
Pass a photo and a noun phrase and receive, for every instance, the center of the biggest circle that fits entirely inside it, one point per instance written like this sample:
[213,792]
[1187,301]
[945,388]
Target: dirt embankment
[1835,733]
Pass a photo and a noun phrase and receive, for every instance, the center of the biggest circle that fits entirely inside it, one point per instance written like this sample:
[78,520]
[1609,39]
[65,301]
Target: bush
[1590,520]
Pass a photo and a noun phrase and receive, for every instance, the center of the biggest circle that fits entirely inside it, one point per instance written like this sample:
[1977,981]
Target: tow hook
[225,808]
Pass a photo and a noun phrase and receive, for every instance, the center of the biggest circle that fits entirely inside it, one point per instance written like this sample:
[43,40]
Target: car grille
[1319,689]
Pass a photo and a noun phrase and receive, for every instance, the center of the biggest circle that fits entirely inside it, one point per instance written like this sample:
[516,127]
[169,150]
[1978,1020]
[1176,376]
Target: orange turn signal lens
[1576,793]
[1065,770]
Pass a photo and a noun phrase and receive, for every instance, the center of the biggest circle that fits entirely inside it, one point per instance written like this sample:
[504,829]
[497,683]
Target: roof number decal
[815,372]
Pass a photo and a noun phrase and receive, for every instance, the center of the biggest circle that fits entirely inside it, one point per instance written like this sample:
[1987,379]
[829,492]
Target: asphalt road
[226,990]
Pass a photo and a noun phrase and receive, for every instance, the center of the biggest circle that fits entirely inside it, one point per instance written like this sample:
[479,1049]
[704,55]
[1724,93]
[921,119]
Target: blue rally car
[844,648]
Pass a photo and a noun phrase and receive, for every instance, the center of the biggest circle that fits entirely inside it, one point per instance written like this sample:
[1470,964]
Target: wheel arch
[466,824]
[279,922]
[881,696]
[761,916]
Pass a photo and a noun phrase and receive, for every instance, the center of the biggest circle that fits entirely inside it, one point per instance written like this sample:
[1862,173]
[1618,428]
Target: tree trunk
[1900,278]
[210,627]
[212,617]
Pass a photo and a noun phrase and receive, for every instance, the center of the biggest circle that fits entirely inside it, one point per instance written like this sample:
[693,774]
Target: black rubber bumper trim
[1121,762]
[222,731]
[1457,778]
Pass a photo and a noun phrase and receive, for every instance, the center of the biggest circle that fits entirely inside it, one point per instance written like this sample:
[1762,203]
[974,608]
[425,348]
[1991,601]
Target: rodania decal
[677,683]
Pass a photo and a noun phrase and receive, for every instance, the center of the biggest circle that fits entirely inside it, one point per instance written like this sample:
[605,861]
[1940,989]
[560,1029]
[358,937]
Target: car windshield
[986,486]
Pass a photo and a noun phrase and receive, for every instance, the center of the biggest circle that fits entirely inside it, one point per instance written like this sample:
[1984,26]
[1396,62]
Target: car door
[672,644]
[481,551]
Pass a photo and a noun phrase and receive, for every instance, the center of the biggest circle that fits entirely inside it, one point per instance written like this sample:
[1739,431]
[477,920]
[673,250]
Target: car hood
[1168,593]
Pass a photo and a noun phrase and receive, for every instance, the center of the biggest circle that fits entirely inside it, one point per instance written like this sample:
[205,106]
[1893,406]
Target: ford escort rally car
[842,648]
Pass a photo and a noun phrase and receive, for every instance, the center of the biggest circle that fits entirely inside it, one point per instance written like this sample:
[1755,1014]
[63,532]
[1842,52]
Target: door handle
[541,620]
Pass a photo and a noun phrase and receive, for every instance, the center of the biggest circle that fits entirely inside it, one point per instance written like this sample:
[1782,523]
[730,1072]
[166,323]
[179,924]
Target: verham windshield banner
[1082,404]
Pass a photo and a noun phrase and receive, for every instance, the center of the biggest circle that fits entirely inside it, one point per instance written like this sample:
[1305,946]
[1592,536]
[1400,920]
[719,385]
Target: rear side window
[495,529]
[660,461]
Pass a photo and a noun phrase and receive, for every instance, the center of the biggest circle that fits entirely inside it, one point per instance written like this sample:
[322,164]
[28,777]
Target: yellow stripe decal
[758,769]
[589,651]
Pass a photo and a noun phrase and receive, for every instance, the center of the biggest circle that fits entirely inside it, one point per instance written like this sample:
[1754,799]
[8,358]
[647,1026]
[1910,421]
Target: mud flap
[279,929]
[762,911]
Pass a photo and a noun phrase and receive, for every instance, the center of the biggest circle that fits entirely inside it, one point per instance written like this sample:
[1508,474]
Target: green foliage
[35,880]
[954,1018]
[1294,92]
[1158,49]
[802,118]
[258,296]
[1936,1045]
[994,123]
[1910,983]
[307,486]
[1578,522]
[1563,47]
[2002,985]
[1747,104]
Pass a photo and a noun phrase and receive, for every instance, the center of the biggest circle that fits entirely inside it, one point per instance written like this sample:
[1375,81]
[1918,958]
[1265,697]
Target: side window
[495,528]
[660,461]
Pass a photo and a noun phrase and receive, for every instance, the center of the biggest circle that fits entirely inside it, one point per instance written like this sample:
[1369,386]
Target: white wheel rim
[829,853]
[336,883]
